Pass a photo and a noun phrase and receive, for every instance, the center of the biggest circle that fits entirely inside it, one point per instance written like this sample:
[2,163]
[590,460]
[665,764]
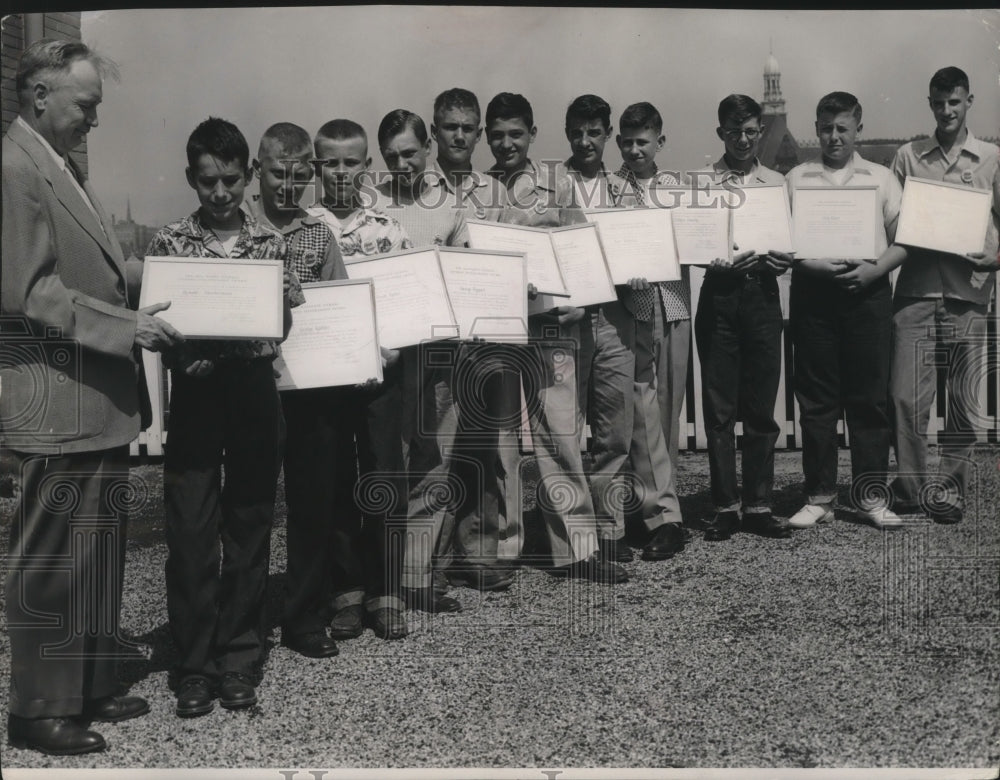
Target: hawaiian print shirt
[368,231]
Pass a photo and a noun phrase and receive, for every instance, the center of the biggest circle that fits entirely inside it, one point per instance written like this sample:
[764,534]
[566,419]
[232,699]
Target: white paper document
[411,300]
[761,218]
[488,292]
[543,268]
[943,216]
[837,222]
[638,243]
[333,338]
[702,226]
[581,258]
[216,298]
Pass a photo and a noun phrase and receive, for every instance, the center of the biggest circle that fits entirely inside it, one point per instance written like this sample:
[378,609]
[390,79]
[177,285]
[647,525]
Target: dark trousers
[738,333]
[842,346]
[229,419]
[64,581]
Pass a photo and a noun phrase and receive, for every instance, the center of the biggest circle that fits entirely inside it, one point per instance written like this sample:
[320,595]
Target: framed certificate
[702,225]
[581,258]
[216,298]
[761,218]
[411,299]
[837,222]
[488,292]
[543,268]
[943,216]
[638,243]
[333,340]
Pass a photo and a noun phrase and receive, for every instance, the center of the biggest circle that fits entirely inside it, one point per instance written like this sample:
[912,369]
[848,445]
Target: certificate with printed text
[581,258]
[943,216]
[216,298]
[411,300]
[702,224]
[761,218]
[488,292]
[333,340]
[837,222]
[638,243]
[543,268]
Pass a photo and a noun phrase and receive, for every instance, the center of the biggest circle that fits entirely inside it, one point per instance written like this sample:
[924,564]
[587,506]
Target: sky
[257,66]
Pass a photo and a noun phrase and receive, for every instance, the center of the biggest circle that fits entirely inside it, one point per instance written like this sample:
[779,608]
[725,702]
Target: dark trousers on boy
[842,346]
[228,419]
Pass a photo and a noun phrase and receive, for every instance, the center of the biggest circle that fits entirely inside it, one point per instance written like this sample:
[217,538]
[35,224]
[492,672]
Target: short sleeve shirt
[368,231]
[433,218]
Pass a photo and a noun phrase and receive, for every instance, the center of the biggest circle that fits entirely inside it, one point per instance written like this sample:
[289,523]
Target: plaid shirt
[187,237]
[313,255]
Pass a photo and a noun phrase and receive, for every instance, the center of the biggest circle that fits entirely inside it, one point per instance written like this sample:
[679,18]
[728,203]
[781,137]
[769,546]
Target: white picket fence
[150,442]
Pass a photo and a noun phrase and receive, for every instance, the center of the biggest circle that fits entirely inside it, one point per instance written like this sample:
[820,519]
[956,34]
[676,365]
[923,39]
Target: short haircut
[219,138]
[341,130]
[286,139]
[948,79]
[640,116]
[456,97]
[587,108]
[738,109]
[399,121]
[57,57]
[838,103]
[509,105]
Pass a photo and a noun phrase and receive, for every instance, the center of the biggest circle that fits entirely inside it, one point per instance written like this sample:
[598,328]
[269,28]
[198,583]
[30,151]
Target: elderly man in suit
[69,406]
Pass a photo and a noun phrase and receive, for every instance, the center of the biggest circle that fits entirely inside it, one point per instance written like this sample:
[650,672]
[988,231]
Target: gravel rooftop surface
[841,647]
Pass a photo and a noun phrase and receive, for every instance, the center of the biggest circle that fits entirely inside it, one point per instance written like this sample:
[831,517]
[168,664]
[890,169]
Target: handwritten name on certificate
[581,258]
[839,222]
[943,216]
[702,226]
[761,218]
[488,292]
[543,268]
[333,338]
[216,298]
[638,243]
[411,300]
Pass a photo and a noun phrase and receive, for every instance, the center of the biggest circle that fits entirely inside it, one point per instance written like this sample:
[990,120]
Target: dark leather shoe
[482,577]
[348,623]
[766,524]
[616,550]
[194,696]
[666,542]
[236,691]
[312,644]
[595,569]
[947,516]
[429,600]
[723,526]
[53,736]
[112,709]
[387,623]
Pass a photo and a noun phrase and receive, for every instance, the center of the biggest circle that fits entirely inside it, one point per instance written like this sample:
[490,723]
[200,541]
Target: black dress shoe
[723,525]
[348,623]
[194,696]
[766,524]
[312,644]
[387,623]
[429,600]
[595,569]
[112,709]
[667,541]
[481,577]
[616,550]
[236,691]
[53,736]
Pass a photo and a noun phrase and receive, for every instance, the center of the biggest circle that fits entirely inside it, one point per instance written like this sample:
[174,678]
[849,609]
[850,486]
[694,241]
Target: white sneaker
[811,514]
[882,517]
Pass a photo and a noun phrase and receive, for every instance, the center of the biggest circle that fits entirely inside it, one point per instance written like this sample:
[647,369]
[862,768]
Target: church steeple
[773,103]
[128,210]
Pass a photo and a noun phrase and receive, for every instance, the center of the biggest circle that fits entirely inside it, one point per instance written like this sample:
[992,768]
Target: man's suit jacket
[67,369]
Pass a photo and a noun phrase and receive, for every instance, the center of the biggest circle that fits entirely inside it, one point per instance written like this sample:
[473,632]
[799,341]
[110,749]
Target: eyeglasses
[734,135]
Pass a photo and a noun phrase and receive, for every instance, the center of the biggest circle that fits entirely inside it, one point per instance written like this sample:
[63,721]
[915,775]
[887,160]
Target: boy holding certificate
[312,449]
[949,293]
[738,333]
[842,331]
[366,571]
[224,412]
